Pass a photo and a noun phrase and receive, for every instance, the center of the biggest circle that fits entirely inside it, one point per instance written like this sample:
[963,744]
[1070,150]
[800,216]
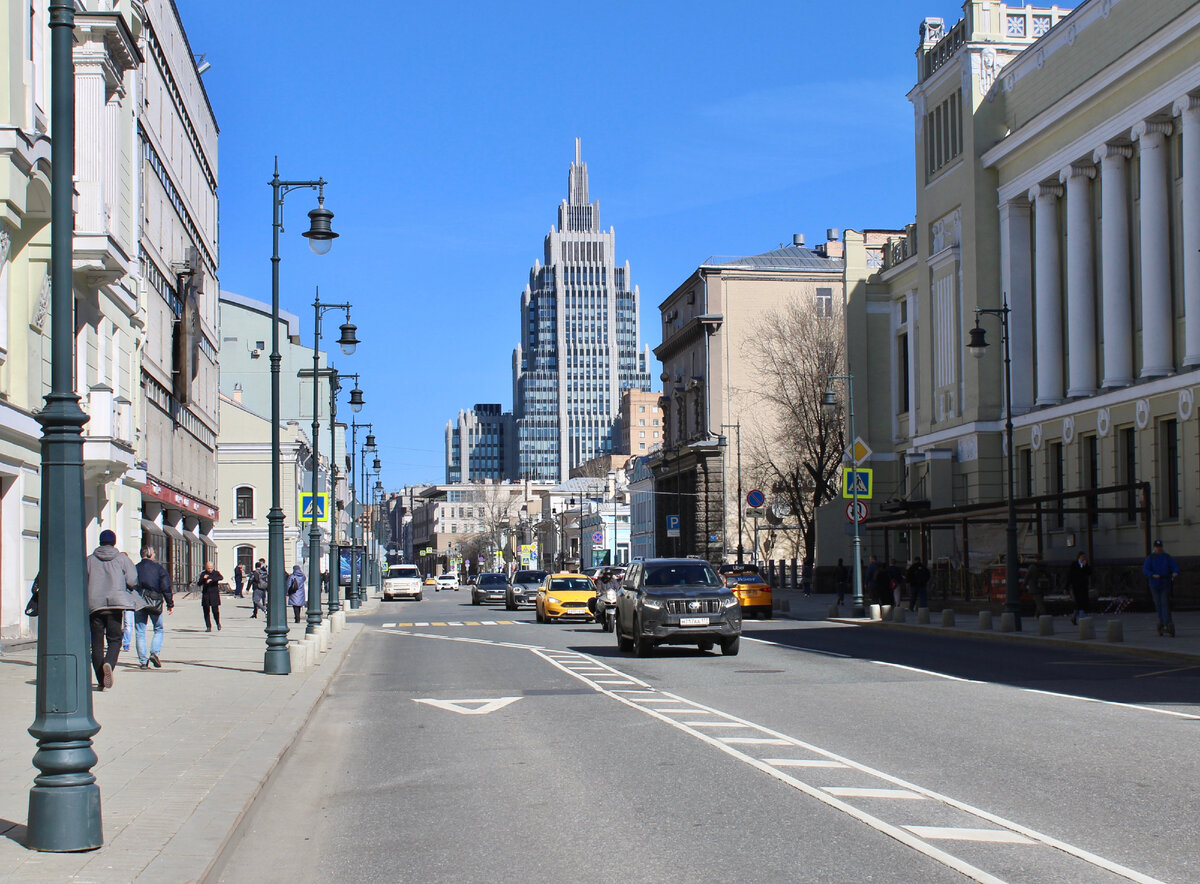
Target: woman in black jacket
[1079,578]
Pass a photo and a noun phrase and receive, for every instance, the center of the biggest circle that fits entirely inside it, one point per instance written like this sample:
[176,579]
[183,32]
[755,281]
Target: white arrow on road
[483,707]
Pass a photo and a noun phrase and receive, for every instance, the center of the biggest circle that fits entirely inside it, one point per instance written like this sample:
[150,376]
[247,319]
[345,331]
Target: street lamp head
[319,234]
[370,443]
[379,487]
[349,340]
[829,400]
[978,344]
[356,399]
[377,465]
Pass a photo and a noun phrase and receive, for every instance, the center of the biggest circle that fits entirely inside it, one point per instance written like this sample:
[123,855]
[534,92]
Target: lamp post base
[64,819]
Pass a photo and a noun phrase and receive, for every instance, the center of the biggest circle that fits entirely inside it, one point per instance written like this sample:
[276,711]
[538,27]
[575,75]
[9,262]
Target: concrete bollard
[1087,628]
[985,619]
[833,611]
[1046,624]
[1114,631]
[1008,622]
[312,649]
[337,621]
[874,613]
[297,656]
[947,616]
[923,615]
[322,635]
[898,614]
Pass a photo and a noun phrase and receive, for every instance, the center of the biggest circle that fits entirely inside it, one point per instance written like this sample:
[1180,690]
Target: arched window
[245,558]
[245,502]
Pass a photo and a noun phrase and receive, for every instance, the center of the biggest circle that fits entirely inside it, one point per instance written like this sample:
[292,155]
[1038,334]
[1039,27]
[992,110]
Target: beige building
[639,422]
[712,326]
[1058,172]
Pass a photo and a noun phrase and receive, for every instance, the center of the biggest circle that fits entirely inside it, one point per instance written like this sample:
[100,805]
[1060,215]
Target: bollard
[1008,622]
[1115,631]
[1087,628]
[297,656]
[923,615]
[985,619]
[947,616]
[312,650]
[898,614]
[833,611]
[337,621]
[1046,624]
[874,613]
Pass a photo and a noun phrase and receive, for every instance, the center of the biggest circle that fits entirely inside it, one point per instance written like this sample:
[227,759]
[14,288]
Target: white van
[402,581]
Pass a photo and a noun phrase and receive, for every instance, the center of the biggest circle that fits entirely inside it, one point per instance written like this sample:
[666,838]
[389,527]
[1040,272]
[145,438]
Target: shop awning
[151,527]
[208,541]
[172,531]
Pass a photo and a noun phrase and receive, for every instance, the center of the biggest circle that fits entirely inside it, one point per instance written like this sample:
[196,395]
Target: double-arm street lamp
[829,403]
[356,404]
[355,595]
[348,341]
[320,237]
[740,503]
[379,522]
[64,802]
[978,346]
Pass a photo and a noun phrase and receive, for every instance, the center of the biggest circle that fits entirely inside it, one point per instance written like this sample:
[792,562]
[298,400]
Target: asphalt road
[512,751]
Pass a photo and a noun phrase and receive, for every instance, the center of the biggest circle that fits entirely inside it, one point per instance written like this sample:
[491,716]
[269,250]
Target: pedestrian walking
[1079,579]
[1036,582]
[239,580]
[917,577]
[154,583]
[1160,570]
[896,582]
[296,595]
[259,581]
[841,577]
[806,578]
[881,583]
[209,582]
[110,577]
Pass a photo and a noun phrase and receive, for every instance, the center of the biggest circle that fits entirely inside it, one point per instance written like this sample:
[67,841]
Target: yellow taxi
[752,591]
[564,596]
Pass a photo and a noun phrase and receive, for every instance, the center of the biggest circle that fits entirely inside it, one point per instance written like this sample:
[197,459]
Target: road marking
[388,626]
[927,672]
[763,641]
[712,723]
[1171,712]
[469,707]
[802,762]
[950,833]
[1166,671]
[756,741]
[854,792]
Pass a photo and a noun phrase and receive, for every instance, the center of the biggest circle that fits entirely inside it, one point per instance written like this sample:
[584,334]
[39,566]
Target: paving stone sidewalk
[1139,628]
[183,750]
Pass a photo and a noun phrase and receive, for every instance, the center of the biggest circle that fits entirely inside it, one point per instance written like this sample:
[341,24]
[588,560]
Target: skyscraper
[580,343]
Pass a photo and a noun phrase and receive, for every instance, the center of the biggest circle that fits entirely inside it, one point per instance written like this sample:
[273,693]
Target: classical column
[1188,110]
[1081,281]
[1048,295]
[1117,297]
[1016,280]
[1154,217]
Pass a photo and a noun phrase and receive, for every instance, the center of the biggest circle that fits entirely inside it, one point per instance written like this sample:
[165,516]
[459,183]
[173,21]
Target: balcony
[108,441]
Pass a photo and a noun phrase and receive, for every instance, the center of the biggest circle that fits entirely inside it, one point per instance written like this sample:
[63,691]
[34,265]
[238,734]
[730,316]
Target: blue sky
[445,132]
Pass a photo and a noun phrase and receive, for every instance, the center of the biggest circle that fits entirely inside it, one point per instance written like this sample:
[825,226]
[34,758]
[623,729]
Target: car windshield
[403,571]
[572,584]
[485,579]
[682,575]
[529,577]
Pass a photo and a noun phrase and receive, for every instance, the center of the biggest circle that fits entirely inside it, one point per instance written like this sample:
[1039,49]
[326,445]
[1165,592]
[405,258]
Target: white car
[448,580]
[402,582]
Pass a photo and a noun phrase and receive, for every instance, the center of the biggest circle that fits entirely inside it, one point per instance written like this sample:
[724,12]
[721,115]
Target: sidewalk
[1139,628]
[183,750]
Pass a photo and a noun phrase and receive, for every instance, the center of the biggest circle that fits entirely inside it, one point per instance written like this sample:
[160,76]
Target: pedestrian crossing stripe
[450,623]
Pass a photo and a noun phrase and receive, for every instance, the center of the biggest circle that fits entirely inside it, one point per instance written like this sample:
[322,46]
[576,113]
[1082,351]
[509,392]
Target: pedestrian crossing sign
[309,513]
[857,483]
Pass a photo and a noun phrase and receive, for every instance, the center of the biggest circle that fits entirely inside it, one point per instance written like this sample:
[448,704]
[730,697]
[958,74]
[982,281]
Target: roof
[581,485]
[292,320]
[786,258]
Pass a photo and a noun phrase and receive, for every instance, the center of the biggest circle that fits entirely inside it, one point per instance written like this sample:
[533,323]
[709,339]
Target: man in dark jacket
[259,582]
[918,579]
[110,577]
[155,586]
[209,582]
[1161,570]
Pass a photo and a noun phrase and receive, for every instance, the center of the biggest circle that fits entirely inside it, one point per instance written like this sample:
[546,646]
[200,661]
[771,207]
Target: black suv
[489,588]
[676,602]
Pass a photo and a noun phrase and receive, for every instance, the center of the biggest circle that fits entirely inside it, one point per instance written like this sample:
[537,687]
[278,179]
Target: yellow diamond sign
[860,451]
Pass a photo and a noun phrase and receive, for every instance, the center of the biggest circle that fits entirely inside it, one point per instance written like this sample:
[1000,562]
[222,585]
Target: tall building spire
[577,183]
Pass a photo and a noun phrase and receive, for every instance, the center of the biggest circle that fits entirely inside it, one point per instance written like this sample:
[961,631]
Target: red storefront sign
[178,500]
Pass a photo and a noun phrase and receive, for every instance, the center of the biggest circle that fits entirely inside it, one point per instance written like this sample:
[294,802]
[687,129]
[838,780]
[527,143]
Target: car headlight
[729,602]
[652,604]
[552,600]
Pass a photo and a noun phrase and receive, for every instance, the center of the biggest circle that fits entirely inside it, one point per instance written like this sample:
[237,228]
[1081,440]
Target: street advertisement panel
[348,558]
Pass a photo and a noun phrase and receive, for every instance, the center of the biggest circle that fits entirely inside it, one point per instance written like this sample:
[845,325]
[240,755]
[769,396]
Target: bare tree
[795,448]
[495,506]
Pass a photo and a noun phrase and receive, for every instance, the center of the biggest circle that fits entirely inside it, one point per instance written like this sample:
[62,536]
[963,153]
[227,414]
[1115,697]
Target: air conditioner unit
[255,353]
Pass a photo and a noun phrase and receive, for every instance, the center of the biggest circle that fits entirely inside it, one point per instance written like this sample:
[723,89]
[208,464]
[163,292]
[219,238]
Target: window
[245,502]
[824,303]
[1025,458]
[641,409]
[1090,469]
[1054,471]
[902,360]
[1168,467]
[245,558]
[1127,451]
[943,134]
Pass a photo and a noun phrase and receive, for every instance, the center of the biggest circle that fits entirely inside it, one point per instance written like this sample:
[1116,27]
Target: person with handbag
[209,582]
[154,583]
[111,579]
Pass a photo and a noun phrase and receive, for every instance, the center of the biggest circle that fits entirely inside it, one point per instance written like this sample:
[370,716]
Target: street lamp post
[978,346]
[335,564]
[378,530]
[64,802]
[829,401]
[348,341]
[740,505]
[355,585]
[378,520]
[320,237]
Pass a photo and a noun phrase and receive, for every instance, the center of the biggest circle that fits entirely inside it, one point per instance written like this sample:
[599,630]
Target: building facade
[580,342]
[639,422]
[480,445]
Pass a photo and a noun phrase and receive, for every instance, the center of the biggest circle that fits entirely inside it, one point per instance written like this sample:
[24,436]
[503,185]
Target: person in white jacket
[111,575]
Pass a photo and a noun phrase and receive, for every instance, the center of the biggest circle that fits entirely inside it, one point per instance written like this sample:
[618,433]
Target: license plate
[693,621]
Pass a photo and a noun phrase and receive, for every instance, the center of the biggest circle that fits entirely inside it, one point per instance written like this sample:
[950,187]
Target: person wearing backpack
[155,586]
[259,582]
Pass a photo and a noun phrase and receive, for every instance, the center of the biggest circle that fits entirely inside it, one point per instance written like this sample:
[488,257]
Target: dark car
[522,589]
[489,588]
[676,602]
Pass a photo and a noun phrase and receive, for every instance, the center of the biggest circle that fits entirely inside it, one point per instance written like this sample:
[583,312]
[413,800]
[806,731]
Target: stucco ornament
[1141,413]
[1068,430]
[1103,422]
[1187,402]
[42,309]
[1035,437]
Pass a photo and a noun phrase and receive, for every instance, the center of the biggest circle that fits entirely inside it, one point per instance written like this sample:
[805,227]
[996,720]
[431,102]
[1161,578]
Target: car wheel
[419,597]
[509,604]
[768,615]
[537,613]
[731,646]
[623,644]
[641,645]
[474,601]
[705,646]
